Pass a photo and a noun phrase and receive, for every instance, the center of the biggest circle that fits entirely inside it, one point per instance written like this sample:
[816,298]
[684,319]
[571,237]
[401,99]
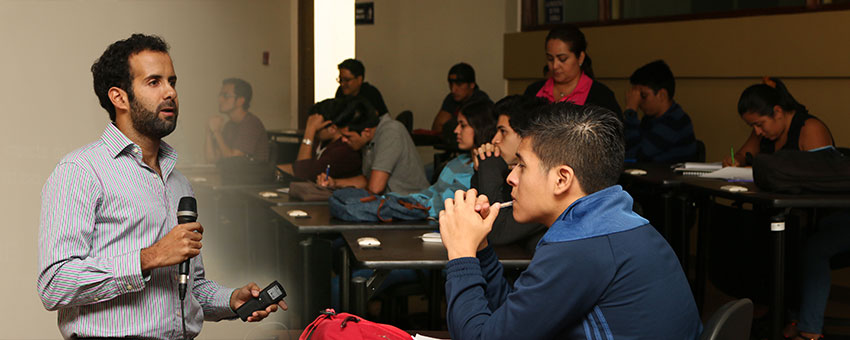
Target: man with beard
[243,134]
[109,242]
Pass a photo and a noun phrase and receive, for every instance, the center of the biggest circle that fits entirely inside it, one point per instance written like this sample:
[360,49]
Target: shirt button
[97,299]
[129,287]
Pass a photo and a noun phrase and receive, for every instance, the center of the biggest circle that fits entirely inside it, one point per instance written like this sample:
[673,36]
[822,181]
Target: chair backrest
[731,322]
[700,151]
[406,118]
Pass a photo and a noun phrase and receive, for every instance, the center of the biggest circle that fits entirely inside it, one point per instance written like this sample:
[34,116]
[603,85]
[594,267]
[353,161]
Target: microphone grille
[188,203]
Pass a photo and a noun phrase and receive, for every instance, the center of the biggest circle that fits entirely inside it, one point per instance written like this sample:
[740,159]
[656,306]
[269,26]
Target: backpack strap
[327,314]
[411,206]
[379,212]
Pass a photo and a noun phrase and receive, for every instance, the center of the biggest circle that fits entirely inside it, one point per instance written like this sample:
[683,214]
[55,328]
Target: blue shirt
[600,272]
[666,138]
[456,175]
[101,205]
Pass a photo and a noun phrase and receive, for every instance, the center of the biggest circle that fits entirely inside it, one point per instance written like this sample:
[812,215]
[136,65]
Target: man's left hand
[247,292]
[465,223]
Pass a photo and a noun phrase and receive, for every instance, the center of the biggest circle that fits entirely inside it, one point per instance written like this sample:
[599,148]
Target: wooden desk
[706,191]
[316,251]
[403,249]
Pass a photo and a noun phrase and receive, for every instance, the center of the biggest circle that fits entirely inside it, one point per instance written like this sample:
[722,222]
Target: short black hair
[354,66]
[327,108]
[587,138]
[241,88]
[112,68]
[761,98]
[518,108]
[464,73]
[655,75]
[356,114]
[479,114]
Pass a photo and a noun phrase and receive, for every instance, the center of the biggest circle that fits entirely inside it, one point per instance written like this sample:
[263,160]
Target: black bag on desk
[798,172]
[242,170]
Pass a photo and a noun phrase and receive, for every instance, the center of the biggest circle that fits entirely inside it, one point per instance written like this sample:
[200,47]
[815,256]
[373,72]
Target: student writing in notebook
[779,122]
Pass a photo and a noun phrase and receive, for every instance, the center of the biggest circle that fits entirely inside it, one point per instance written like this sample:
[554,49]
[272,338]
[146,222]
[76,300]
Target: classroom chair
[731,322]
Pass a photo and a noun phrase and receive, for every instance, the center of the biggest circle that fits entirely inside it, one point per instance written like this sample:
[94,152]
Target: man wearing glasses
[243,134]
[351,84]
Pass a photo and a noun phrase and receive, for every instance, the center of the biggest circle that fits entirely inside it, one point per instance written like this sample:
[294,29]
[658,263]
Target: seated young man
[390,160]
[243,134]
[351,84]
[462,89]
[665,134]
[493,163]
[322,149]
[600,271]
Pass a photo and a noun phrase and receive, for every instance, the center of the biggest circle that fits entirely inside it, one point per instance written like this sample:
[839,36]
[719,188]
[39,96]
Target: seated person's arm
[287,168]
[314,123]
[378,181]
[223,148]
[814,134]
[359,181]
[442,117]
[751,146]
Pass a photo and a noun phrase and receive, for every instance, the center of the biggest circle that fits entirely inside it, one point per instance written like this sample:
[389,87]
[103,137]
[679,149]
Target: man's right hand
[215,123]
[326,181]
[181,243]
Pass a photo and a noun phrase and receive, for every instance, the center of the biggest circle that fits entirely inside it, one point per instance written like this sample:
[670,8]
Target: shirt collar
[578,96]
[116,143]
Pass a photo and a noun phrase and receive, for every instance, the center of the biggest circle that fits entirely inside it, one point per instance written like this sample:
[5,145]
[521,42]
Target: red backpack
[332,326]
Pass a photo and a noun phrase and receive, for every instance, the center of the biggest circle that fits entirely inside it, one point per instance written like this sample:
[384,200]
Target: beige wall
[50,109]
[714,60]
[412,45]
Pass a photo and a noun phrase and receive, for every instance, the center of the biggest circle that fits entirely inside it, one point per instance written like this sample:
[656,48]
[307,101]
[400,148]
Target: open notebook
[695,168]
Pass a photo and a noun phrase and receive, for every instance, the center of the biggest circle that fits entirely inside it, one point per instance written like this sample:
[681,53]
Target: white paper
[735,173]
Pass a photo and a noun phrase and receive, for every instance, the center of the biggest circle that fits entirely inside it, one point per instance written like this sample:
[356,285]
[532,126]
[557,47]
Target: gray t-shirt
[392,151]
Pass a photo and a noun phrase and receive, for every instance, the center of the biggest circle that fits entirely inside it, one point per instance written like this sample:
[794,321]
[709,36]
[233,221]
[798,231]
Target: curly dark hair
[112,69]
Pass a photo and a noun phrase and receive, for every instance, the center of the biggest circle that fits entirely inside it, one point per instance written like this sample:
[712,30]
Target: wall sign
[554,11]
[364,13]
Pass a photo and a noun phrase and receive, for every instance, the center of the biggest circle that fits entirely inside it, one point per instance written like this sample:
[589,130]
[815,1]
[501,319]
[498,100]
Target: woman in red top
[572,74]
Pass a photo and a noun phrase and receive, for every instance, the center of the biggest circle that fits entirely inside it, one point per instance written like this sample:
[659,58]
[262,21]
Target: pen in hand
[732,153]
[328,171]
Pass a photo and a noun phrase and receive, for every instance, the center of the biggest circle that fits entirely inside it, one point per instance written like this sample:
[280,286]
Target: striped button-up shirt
[102,205]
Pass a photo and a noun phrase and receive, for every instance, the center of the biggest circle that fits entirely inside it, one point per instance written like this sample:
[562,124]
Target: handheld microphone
[187,212]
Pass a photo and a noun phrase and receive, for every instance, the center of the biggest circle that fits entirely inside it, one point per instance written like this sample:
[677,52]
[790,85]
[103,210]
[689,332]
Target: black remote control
[270,295]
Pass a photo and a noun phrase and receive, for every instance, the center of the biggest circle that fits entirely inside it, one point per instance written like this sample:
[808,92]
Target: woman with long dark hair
[572,73]
[779,122]
[476,126]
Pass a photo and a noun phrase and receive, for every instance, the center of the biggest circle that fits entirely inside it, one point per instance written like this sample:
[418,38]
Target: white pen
[506,204]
